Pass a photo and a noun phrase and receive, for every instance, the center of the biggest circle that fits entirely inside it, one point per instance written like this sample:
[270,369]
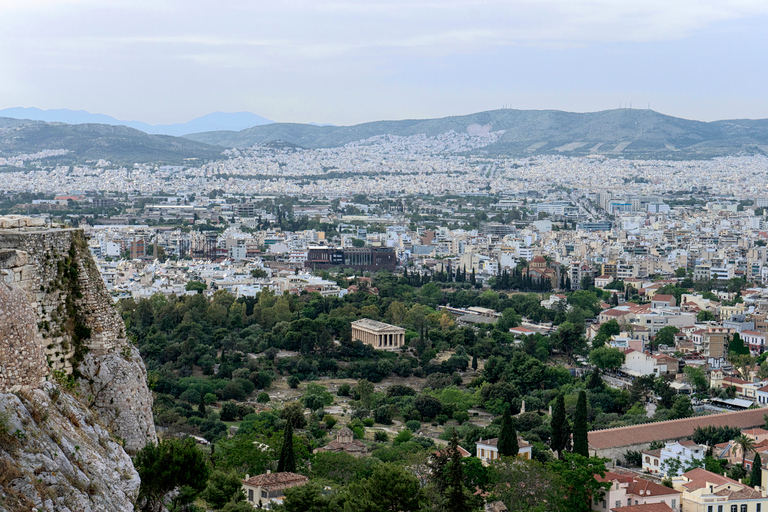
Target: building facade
[379,335]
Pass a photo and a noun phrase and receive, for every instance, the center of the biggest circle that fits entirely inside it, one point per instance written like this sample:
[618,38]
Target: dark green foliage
[711,435]
[169,465]
[428,406]
[456,496]
[580,441]
[507,443]
[222,488]
[736,345]
[228,411]
[577,474]
[756,473]
[560,427]
[287,460]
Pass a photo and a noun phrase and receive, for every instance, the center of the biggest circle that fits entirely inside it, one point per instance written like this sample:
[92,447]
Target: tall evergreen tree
[580,442]
[287,460]
[457,497]
[507,444]
[474,360]
[756,475]
[201,403]
[594,381]
[559,425]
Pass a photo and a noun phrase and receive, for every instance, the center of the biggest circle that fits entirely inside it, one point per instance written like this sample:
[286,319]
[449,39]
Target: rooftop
[373,325]
[672,429]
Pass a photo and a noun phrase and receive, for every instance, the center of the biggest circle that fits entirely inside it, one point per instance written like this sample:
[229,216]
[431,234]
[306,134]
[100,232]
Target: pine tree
[287,461]
[507,444]
[580,442]
[756,476]
[560,430]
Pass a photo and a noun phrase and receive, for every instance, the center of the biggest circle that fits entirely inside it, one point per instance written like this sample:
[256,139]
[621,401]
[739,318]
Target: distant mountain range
[118,144]
[210,122]
[631,133]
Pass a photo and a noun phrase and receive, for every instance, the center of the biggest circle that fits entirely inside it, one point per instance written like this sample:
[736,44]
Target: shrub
[293,381]
[380,436]
[329,421]
[263,397]
[413,425]
[368,422]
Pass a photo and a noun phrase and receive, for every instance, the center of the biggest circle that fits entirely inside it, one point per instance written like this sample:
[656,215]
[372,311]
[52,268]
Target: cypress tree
[474,360]
[457,497]
[559,425]
[756,476]
[287,461]
[201,404]
[595,382]
[507,443]
[580,442]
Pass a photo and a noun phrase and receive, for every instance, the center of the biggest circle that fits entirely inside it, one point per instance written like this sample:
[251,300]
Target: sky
[350,61]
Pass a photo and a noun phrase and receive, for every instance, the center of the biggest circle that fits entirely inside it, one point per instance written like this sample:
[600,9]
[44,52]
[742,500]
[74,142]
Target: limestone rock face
[55,455]
[117,383]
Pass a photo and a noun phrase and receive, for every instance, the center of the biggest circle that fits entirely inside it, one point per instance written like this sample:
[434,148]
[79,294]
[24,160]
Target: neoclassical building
[379,335]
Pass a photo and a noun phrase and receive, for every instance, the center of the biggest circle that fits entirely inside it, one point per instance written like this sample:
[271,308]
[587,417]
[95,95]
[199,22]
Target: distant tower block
[379,335]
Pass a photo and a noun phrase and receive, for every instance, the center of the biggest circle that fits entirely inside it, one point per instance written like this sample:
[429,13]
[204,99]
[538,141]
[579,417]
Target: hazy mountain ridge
[99,141]
[627,132]
[208,122]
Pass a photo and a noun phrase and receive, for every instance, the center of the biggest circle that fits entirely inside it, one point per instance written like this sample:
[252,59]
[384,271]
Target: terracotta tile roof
[663,298]
[652,453]
[276,481]
[699,478]
[495,440]
[648,507]
[645,488]
[671,429]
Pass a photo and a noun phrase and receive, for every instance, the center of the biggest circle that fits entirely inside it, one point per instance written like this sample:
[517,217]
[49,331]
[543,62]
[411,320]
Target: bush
[263,397]
[403,437]
[383,415]
[293,381]
[344,390]
[441,419]
[210,398]
[329,421]
[229,411]
[413,425]
[461,416]
[428,406]
[368,422]
[380,436]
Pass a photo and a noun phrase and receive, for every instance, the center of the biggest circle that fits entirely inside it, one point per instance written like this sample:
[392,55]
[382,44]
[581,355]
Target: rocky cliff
[73,394]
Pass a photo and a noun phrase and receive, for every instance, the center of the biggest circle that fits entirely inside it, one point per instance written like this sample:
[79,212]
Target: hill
[623,132]
[208,122]
[99,141]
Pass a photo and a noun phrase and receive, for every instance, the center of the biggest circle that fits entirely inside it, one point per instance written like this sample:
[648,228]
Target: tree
[391,488]
[697,378]
[665,336]
[364,390]
[607,358]
[745,444]
[197,286]
[681,272]
[736,346]
[681,408]
[580,442]
[428,406]
[559,426]
[577,475]
[756,475]
[222,488]
[287,460]
[705,316]
[507,443]
[201,404]
[474,360]
[526,485]
[456,497]
[168,465]
[568,339]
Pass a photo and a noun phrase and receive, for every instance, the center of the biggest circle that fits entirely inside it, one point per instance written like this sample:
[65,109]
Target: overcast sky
[350,61]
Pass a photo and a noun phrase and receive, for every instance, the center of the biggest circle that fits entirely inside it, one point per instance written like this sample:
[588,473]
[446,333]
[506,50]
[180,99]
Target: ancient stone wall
[76,325]
[55,268]
[22,357]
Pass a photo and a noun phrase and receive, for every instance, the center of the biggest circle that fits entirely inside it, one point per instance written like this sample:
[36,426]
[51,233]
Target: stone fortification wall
[22,357]
[55,269]
[50,272]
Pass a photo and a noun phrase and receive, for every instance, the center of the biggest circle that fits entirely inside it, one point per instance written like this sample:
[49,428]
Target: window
[744,507]
[250,495]
[264,494]
[719,508]
[733,508]
[709,508]
[758,507]
[618,503]
[674,503]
